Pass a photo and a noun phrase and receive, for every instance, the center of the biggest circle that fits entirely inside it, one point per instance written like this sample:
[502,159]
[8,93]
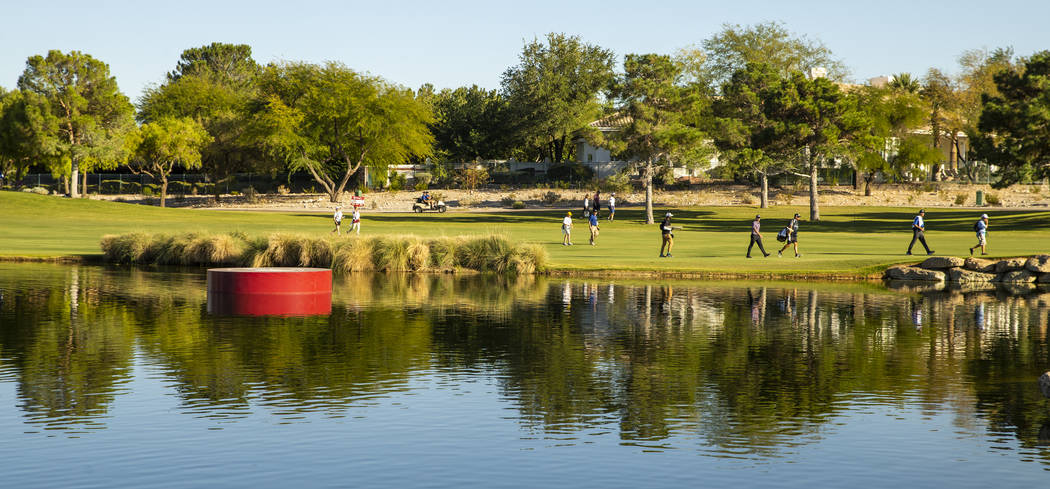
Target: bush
[992,200]
[960,199]
[508,200]
[148,190]
[518,205]
[397,181]
[423,180]
[570,173]
[550,198]
[619,182]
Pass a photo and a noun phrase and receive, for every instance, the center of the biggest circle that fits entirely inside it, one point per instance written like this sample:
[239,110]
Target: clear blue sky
[453,43]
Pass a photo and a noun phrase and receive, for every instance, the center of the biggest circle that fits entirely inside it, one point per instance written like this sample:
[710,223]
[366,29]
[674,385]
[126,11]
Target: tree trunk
[867,187]
[163,189]
[649,193]
[814,206]
[764,197]
[74,178]
[84,192]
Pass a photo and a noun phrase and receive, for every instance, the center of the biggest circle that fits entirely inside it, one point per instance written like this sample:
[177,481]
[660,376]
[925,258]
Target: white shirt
[567,221]
[356,216]
[612,201]
[338,215]
[918,222]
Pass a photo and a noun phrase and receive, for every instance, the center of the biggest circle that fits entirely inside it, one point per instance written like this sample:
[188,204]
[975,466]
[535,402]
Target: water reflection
[728,368]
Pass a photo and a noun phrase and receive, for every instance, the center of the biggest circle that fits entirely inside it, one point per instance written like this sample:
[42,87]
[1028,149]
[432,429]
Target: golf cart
[421,206]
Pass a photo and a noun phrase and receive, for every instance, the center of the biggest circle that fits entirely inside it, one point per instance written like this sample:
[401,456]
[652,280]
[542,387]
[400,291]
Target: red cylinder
[269,291]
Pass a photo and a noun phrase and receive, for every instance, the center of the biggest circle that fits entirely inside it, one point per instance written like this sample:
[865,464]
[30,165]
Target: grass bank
[848,241]
[492,253]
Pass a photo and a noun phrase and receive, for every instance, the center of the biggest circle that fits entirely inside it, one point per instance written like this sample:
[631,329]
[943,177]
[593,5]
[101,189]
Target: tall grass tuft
[353,255]
[495,253]
[443,254]
[124,248]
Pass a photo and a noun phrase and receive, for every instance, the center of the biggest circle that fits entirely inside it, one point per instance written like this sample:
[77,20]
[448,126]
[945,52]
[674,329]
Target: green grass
[848,241]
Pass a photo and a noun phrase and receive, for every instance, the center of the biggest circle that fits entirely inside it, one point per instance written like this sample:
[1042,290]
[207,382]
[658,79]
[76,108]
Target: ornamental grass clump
[353,255]
[443,254]
[125,248]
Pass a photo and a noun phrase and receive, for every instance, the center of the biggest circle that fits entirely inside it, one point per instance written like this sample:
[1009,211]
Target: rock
[902,272]
[963,275]
[1009,265]
[1016,277]
[1044,384]
[1016,290]
[1044,278]
[942,262]
[979,265]
[1038,264]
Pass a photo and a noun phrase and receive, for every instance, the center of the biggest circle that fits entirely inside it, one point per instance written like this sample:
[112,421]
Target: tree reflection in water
[741,367]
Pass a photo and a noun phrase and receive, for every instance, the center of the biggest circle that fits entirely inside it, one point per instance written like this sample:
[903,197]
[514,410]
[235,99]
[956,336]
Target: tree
[1015,125]
[214,85]
[945,120]
[894,148]
[554,92]
[331,121]
[771,43]
[744,132]
[977,80]
[657,110]
[161,146]
[904,82]
[76,109]
[469,123]
[820,124]
[19,147]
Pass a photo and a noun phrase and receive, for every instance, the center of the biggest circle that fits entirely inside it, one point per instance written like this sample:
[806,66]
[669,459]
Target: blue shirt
[594,219]
[982,228]
[918,222]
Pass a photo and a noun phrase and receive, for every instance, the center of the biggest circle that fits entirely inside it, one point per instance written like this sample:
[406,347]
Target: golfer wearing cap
[918,232]
[612,206]
[338,218]
[792,237]
[566,230]
[981,228]
[666,231]
[756,237]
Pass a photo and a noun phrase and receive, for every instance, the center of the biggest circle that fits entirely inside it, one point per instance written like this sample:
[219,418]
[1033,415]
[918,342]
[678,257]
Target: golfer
[756,237]
[586,205]
[918,232]
[594,227]
[981,228]
[792,237]
[566,230]
[667,233]
[596,203]
[612,206]
[338,217]
[355,221]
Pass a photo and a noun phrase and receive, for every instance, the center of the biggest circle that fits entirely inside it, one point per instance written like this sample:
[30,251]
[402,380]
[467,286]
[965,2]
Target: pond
[119,377]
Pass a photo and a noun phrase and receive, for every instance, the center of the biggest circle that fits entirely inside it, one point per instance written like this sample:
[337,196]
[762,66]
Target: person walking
[981,228]
[594,227]
[667,233]
[792,237]
[338,218]
[756,237]
[566,230]
[612,206]
[355,221]
[586,205]
[596,204]
[918,232]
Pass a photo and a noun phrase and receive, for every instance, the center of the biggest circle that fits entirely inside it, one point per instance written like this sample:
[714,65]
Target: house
[604,164]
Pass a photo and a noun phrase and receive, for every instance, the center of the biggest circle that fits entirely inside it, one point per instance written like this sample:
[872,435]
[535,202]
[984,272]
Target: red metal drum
[278,291]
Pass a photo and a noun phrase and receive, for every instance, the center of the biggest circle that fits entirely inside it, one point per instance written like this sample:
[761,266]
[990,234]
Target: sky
[454,43]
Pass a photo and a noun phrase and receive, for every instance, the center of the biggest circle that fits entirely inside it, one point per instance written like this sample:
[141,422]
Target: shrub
[423,179]
[746,199]
[508,200]
[281,189]
[147,190]
[397,181]
[618,182]
[550,198]
[960,199]
[992,200]
[518,205]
